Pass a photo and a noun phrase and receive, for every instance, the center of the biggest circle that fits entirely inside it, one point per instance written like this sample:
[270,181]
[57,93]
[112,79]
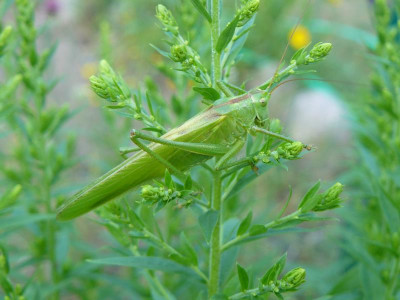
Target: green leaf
[188,249]
[168,179]
[227,35]
[238,44]
[22,220]
[207,93]
[207,222]
[201,9]
[390,212]
[245,224]
[161,52]
[273,272]
[257,230]
[6,284]
[372,286]
[147,262]
[309,200]
[188,183]
[243,277]
[228,261]
[6,265]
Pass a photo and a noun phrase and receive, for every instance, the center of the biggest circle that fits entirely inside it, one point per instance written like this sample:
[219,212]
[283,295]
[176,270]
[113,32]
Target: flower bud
[247,11]
[179,53]
[3,264]
[333,192]
[318,52]
[99,87]
[150,193]
[4,36]
[166,18]
[330,199]
[294,278]
[105,68]
[290,150]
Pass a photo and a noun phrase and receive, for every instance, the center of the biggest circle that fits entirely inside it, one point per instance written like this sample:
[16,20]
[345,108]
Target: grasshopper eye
[263,102]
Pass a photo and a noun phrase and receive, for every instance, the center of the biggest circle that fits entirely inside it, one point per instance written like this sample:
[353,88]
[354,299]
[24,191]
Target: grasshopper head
[261,107]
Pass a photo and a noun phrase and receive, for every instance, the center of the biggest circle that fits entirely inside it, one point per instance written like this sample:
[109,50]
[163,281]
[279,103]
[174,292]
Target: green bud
[167,19]
[294,278]
[396,240]
[105,68]
[334,192]
[150,193]
[179,53]
[18,289]
[247,11]
[318,52]
[3,264]
[10,197]
[290,151]
[330,199]
[4,37]
[99,87]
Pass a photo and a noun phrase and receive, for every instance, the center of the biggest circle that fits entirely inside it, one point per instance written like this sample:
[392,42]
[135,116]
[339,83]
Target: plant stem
[215,28]
[250,293]
[215,247]
[215,244]
[272,224]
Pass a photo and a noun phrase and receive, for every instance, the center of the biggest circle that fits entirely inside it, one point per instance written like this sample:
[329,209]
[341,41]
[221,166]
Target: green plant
[372,264]
[33,162]
[147,244]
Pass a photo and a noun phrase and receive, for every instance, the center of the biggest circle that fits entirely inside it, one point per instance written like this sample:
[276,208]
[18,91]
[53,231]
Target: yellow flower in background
[335,2]
[88,70]
[301,37]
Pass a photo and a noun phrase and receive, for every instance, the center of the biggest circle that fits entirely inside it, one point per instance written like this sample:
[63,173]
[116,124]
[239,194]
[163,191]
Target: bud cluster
[190,62]
[330,199]
[247,11]
[317,53]
[108,85]
[167,19]
[153,194]
[289,151]
[4,38]
[180,50]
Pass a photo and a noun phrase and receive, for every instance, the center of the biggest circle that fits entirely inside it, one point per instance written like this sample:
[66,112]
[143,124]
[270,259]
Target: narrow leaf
[245,224]
[201,9]
[309,201]
[273,272]
[243,277]
[227,35]
[188,249]
[207,222]
[207,93]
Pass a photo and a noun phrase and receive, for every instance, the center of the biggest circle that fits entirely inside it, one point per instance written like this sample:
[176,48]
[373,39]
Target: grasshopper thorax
[260,103]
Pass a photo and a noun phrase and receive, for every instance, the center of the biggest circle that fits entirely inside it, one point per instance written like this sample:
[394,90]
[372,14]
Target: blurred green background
[315,112]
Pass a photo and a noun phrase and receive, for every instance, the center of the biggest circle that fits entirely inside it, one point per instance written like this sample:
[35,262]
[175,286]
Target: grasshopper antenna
[288,43]
[321,80]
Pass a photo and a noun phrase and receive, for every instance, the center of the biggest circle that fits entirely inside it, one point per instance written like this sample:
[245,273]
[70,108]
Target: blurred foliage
[39,165]
[372,247]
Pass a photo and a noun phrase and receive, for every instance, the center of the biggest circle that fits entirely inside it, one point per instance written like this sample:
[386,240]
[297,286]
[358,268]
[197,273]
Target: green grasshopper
[220,131]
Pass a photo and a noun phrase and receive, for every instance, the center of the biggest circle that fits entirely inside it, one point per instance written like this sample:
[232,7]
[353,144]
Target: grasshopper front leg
[198,148]
[230,154]
[163,161]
